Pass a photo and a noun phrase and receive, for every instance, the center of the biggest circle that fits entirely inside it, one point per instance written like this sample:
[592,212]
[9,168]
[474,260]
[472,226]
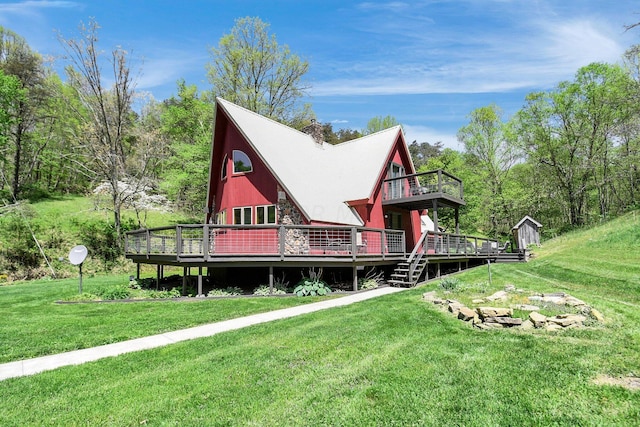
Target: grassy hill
[395,360]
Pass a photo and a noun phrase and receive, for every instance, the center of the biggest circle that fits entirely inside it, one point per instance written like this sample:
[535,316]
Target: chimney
[315,130]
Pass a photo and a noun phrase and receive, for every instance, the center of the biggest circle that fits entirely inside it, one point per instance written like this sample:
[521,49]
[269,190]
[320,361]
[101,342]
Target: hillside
[393,360]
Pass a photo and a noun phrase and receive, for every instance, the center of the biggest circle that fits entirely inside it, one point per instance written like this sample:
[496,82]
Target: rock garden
[513,307]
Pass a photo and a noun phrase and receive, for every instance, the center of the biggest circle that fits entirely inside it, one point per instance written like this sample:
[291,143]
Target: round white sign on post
[78,254]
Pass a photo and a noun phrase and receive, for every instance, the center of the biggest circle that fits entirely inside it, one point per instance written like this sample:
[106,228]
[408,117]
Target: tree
[17,59]
[569,133]
[379,123]
[488,141]
[186,123]
[421,153]
[11,95]
[251,69]
[106,112]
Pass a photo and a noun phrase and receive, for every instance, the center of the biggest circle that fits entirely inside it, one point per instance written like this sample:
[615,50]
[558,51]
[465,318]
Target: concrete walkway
[77,357]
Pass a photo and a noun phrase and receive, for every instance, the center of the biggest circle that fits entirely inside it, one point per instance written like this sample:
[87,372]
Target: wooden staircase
[407,273]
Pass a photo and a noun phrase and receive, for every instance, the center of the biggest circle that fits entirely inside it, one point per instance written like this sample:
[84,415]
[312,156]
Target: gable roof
[320,178]
[526,217]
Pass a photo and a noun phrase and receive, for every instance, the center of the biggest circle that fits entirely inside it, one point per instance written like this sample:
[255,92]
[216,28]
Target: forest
[568,158]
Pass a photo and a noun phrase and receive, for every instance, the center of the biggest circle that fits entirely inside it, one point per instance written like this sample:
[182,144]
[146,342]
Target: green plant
[115,292]
[263,290]
[450,284]
[165,293]
[371,280]
[231,291]
[312,285]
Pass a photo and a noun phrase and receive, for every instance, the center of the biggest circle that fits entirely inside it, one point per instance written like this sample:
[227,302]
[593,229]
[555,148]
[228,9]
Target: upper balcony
[419,191]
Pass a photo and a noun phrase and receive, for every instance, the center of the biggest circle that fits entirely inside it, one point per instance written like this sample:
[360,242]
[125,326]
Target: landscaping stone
[498,296]
[538,320]
[527,325]
[455,306]
[552,327]
[526,307]
[504,321]
[485,317]
[430,296]
[596,315]
[509,288]
[566,320]
[554,299]
[485,312]
[466,314]
[573,301]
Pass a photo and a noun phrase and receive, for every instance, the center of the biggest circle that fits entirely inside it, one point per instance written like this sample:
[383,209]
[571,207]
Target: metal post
[355,278]
[271,280]
[138,271]
[199,281]
[80,282]
[489,268]
[184,280]
[157,276]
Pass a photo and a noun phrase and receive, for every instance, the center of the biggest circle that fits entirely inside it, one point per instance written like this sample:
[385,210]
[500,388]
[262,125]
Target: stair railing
[417,254]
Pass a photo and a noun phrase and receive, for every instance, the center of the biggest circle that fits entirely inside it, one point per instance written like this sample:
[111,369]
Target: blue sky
[427,63]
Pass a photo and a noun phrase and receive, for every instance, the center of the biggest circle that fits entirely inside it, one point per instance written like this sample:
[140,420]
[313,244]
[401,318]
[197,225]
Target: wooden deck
[421,190]
[233,245]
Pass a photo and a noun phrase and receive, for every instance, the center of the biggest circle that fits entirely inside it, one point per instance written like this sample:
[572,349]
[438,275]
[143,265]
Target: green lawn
[395,360]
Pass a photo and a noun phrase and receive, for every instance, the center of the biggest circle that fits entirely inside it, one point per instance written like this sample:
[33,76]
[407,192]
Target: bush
[115,292]
[231,291]
[165,294]
[450,284]
[312,285]
[263,290]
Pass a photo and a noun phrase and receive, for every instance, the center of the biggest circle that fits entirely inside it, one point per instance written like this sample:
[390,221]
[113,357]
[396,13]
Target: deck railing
[444,244]
[436,181]
[188,240]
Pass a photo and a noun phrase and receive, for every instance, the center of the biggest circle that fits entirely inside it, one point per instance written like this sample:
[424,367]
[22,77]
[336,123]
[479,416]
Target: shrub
[312,285]
[115,292]
[371,280]
[263,290]
[450,284]
[165,294]
[231,291]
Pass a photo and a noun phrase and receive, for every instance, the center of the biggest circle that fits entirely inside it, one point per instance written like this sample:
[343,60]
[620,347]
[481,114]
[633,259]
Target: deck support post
[157,276]
[459,265]
[184,280]
[271,280]
[435,216]
[355,278]
[438,270]
[489,268]
[199,281]
[137,271]
[457,214]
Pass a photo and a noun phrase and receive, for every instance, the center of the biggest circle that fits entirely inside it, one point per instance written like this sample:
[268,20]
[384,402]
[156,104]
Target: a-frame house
[281,198]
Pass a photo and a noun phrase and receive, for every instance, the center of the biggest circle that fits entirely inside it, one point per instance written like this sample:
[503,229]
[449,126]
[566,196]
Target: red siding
[254,188]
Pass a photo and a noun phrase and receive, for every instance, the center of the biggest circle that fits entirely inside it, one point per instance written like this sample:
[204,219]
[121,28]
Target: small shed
[526,232]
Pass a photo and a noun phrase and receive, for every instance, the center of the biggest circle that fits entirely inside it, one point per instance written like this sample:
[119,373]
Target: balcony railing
[437,182]
[453,245]
[188,241]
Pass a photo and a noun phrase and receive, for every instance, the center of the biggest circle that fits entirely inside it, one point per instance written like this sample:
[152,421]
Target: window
[395,188]
[242,215]
[223,172]
[266,214]
[241,162]
[221,217]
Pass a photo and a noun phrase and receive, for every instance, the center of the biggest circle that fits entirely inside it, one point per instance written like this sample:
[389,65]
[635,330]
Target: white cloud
[421,134]
[529,50]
